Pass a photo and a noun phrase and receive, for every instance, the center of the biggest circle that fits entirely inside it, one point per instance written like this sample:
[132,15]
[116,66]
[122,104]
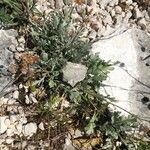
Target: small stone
[74,73]
[13,119]
[92,35]
[11,101]
[9,109]
[20,86]
[12,47]
[27,100]
[20,49]
[31,147]
[118,19]
[9,140]
[108,8]
[21,40]
[19,128]
[113,3]
[101,31]
[29,129]
[20,110]
[34,100]
[2,141]
[134,4]
[59,4]
[7,122]
[146,15]
[13,129]
[3,126]
[22,45]
[112,13]
[16,95]
[104,3]
[128,15]
[118,10]
[3,101]
[129,2]
[137,13]
[23,120]
[107,20]
[142,23]
[41,126]
[9,132]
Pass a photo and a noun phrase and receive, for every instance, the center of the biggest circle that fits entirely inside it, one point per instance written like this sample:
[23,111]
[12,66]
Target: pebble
[41,126]
[137,13]
[118,10]
[11,101]
[31,97]
[59,4]
[113,3]
[21,40]
[23,120]
[129,2]
[9,140]
[19,128]
[92,34]
[3,101]
[107,20]
[3,126]
[142,23]
[27,100]
[20,49]
[7,122]
[9,132]
[113,13]
[16,95]
[29,129]
[13,118]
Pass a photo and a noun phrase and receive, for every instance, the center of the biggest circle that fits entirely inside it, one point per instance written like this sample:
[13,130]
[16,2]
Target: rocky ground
[102,19]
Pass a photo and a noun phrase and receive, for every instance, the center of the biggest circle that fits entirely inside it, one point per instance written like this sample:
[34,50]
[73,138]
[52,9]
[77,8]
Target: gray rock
[29,129]
[7,39]
[74,73]
[131,48]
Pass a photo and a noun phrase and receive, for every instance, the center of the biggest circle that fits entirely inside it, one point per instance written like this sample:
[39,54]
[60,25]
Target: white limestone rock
[126,48]
[29,129]
[9,140]
[74,73]
[16,94]
[3,126]
[41,126]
